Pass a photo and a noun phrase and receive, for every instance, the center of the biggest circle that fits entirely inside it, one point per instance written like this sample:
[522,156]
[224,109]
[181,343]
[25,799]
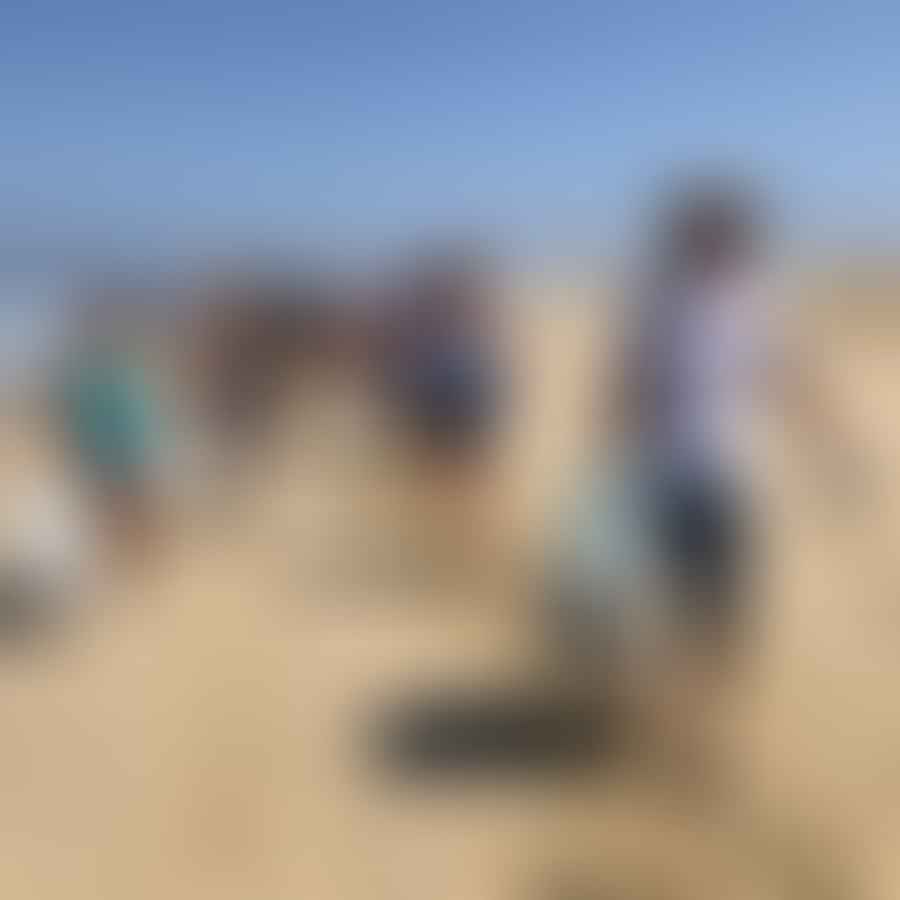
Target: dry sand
[199,736]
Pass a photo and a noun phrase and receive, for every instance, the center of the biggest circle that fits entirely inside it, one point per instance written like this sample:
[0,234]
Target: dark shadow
[491,731]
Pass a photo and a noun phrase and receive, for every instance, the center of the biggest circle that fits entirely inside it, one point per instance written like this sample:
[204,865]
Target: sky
[170,127]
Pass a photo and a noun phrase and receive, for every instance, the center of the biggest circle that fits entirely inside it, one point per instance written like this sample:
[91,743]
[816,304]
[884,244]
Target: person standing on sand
[445,385]
[706,359]
[441,361]
[700,355]
[661,554]
[112,425]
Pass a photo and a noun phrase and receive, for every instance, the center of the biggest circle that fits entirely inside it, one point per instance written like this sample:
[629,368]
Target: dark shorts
[705,538]
[449,409]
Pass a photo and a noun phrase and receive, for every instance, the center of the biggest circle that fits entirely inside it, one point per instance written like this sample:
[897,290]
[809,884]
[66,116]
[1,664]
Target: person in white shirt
[700,356]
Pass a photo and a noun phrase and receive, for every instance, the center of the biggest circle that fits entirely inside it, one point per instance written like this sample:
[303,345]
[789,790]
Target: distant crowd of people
[244,343]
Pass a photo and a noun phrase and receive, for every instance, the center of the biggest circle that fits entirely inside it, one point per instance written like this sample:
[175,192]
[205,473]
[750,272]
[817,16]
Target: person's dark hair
[708,222]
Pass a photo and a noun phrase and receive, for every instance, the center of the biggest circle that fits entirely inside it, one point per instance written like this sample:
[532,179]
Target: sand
[201,731]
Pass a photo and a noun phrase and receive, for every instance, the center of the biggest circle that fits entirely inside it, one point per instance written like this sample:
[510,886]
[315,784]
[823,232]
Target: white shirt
[708,351]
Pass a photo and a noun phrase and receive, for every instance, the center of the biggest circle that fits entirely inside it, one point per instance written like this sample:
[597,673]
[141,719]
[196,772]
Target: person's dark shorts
[452,409]
[705,536]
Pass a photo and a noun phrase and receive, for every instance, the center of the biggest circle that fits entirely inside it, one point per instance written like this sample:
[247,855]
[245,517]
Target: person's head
[709,224]
[106,316]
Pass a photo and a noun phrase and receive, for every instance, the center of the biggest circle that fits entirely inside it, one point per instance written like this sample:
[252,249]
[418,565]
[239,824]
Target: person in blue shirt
[443,370]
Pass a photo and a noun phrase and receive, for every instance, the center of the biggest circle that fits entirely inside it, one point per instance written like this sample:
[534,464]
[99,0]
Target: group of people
[700,357]
[240,349]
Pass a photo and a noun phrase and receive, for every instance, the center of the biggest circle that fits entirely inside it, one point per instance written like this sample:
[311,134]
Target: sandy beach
[201,732]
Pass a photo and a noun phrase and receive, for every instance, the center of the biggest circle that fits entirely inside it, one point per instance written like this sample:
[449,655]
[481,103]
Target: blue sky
[359,124]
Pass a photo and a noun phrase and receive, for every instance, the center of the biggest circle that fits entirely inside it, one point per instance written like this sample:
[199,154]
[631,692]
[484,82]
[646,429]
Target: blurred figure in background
[256,335]
[444,378]
[259,339]
[442,369]
[112,424]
